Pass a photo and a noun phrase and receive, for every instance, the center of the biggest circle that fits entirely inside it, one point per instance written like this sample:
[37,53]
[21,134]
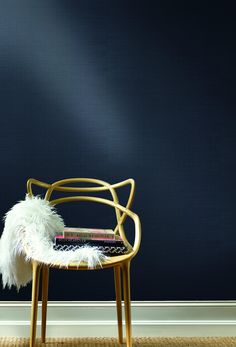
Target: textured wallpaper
[118,89]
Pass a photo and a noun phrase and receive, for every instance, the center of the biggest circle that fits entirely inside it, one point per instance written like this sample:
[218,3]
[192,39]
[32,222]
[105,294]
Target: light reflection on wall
[60,61]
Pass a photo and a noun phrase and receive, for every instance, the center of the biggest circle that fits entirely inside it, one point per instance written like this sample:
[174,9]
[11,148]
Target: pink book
[89,233]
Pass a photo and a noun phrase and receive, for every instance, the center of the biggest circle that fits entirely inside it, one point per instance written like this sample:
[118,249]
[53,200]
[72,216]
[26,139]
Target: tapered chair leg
[118,302]
[45,277]
[36,267]
[127,301]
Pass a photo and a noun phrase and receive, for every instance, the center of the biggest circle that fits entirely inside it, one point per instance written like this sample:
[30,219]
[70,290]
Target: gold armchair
[120,263]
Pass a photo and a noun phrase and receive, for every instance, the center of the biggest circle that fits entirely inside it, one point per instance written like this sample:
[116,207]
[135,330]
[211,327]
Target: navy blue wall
[118,89]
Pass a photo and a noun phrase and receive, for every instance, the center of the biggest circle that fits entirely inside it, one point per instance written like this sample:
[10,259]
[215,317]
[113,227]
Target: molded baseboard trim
[149,318]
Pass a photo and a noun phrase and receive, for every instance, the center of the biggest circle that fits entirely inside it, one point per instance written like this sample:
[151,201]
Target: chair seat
[110,262]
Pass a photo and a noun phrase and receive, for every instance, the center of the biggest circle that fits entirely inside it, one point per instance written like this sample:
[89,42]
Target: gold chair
[120,263]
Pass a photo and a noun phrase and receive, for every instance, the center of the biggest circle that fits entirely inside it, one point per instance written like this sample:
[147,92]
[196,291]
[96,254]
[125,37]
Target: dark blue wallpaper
[118,89]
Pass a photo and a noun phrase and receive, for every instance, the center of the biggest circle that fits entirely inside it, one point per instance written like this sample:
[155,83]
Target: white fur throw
[30,227]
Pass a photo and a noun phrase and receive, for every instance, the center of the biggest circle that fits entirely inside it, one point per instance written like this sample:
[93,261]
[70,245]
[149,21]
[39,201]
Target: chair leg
[45,277]
[36,267]
[127,301]
[118,302]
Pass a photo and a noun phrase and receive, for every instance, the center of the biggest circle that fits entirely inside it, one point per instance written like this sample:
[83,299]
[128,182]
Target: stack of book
[104,239]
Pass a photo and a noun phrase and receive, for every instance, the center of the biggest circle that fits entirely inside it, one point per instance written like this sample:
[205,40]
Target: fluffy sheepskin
[30,227]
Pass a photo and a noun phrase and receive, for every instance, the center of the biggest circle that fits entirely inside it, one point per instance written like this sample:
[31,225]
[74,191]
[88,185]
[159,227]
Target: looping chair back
[98,186]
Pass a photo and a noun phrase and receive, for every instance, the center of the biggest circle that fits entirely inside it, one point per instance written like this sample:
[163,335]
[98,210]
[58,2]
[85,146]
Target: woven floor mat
[137,342]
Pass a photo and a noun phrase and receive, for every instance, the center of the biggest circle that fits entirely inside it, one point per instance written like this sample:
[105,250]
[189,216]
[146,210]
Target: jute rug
[137,342]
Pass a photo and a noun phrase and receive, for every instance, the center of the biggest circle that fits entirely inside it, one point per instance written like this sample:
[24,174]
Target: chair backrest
[75,185]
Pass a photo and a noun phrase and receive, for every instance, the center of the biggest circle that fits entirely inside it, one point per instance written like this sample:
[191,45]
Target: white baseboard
[149,318]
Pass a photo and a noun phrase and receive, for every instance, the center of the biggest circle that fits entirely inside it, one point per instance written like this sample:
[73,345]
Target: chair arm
[137,225]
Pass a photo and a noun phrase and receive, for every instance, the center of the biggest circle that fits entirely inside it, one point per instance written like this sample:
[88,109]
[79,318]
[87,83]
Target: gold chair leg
[36,267]
[45,277]
[118,302]
[126,290]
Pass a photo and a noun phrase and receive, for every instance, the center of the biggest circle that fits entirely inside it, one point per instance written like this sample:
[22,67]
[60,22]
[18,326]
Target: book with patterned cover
[107,250]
